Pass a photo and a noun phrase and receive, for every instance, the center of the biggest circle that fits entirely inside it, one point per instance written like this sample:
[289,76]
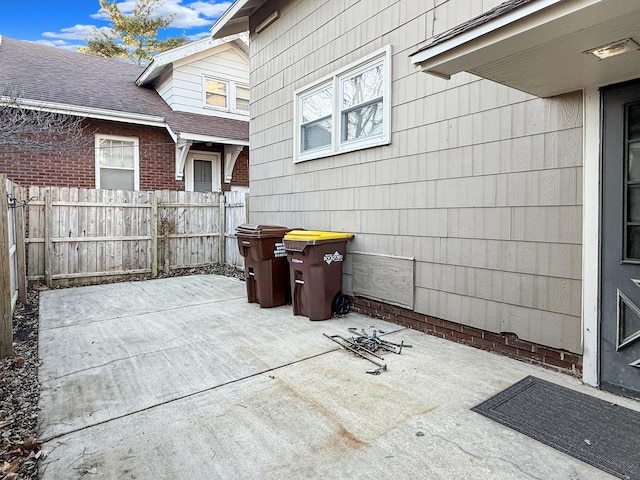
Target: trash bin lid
[261,230]
[316,235]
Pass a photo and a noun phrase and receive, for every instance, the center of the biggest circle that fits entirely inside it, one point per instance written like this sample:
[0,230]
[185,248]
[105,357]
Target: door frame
[591,221]
[216,169]
[593,165]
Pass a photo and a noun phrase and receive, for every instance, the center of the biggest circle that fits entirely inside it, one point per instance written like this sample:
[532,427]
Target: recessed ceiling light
[614,48]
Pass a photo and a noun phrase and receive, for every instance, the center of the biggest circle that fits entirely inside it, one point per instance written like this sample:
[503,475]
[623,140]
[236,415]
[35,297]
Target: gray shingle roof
[489,15]
[42,73]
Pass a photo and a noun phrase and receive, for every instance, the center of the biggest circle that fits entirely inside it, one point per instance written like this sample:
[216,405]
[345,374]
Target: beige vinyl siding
[184,92]
[481,184]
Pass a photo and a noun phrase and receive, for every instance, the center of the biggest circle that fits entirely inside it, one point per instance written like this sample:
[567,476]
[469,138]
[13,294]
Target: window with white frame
[216,93]
[242,97]
[226,95]
[349,110]
[117,162]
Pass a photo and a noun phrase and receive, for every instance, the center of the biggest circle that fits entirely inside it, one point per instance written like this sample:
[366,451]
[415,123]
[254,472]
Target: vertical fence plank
[6,330]
[20,247]
[62,230]
[235,215]
[154,235]
[48,245]
[246,207]
[35,254]
[222,242]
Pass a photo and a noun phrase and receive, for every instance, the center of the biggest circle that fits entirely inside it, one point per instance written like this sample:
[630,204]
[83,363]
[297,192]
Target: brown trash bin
[266,268]
[315,263]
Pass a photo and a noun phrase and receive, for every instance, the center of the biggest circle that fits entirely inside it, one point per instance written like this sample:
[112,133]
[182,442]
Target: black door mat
[597,432]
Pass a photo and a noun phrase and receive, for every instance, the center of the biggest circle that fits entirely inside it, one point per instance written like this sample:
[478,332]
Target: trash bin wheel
[341,304]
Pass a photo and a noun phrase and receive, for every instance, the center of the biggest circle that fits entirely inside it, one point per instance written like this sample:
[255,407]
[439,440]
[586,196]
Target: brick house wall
[77,168]
[507,344]
[240,176]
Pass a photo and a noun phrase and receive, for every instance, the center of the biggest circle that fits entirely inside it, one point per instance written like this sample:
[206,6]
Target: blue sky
[66,23]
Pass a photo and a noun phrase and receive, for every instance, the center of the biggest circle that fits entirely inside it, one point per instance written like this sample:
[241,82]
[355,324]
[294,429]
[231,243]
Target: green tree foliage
[133,38]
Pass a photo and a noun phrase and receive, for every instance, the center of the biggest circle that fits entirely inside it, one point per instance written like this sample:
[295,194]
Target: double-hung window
[226,95]
[117,162]
[216,93]
[316,123]
[349,110]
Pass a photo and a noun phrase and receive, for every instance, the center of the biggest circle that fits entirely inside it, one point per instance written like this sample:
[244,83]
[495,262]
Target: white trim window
[357,117]
[225,95]
[117,162]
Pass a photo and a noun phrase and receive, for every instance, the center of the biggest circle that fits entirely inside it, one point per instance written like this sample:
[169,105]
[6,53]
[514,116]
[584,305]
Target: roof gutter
[117,116]
[208,138]
[98,113]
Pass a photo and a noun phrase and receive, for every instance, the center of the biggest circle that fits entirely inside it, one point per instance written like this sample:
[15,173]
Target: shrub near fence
[84,236]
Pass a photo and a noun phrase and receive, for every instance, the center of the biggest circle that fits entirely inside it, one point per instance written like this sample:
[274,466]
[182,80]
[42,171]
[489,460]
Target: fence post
[48,245]
[246,207]
[6,329]
[222,227]
[154,235]
[21,256]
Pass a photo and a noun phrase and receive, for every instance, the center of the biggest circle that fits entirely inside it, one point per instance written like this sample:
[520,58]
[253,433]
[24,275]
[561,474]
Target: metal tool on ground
[373,342]
[366,346]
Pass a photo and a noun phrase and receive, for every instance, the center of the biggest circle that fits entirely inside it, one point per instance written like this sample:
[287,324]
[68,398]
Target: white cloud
[192,15]
[77,32]
[210,9]
[62,44]
[200,14]
[199,36]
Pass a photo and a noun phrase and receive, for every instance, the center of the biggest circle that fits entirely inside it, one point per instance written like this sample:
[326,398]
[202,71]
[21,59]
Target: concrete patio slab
[182,378]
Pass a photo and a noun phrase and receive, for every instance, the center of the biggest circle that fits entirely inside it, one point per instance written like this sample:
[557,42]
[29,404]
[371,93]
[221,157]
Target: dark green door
[620,254]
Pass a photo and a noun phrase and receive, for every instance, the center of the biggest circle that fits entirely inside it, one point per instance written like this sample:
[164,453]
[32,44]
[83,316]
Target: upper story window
[216,93]
[226,95]
[242,97]
[349,110]
[117,162]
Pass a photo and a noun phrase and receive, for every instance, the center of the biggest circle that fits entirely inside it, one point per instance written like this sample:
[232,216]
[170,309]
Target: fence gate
[236,213]
[12,268]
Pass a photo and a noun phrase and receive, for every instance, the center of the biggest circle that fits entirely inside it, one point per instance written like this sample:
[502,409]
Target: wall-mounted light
[267,21]
[614,48]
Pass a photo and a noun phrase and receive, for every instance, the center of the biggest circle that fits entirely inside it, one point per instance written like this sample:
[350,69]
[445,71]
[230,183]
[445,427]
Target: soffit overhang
[236,18]
[539,47]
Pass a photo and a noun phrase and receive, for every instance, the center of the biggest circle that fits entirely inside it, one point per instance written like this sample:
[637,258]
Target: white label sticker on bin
[296,260]
[279,251]
[333,257]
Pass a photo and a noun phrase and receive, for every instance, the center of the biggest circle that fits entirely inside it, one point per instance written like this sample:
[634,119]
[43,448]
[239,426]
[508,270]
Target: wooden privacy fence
[236,213]
[83,236]
[13,286]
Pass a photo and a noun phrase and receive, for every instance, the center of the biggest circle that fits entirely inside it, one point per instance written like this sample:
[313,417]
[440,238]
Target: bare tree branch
[28,127]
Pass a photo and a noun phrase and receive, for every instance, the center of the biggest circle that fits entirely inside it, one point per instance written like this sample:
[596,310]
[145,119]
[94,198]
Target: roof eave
[429,58]
[89,112]
[229,22]
[539,47]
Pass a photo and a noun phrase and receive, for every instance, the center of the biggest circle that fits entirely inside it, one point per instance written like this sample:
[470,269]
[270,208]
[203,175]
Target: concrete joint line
[230,382]
[141,314]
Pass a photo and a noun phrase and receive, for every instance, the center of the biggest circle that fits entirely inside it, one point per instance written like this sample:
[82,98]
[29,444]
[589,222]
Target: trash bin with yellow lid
[266,269]
[315,265]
